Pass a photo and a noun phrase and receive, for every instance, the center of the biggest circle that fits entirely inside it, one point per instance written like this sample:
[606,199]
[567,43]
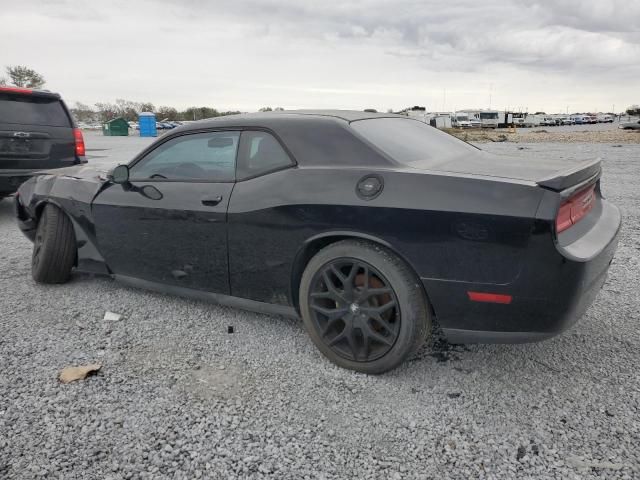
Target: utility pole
[490,94]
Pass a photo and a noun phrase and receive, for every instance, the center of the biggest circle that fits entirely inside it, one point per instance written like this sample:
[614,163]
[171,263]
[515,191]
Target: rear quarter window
[410,142]
[31,110]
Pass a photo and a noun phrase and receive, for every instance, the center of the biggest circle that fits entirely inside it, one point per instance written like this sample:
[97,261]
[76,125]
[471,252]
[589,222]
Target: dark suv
[37,133]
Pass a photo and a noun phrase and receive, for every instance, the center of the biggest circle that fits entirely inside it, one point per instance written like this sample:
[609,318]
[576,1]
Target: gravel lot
[179,397]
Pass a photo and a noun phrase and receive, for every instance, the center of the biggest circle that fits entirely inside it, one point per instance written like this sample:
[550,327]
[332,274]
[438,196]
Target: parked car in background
[630,125]
[579,119]
[605,119]
[548,121]
[475,122]
[386,225]
[37,132]
[461,121]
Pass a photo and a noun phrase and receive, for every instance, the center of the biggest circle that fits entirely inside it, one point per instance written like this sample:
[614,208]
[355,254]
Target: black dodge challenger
[368,226]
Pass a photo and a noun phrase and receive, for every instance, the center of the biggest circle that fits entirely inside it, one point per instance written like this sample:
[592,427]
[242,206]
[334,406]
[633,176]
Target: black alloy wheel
[363,306]
[355,309]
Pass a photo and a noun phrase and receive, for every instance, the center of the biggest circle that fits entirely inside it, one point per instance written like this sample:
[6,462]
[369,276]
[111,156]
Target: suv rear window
[32,110]
[411,142]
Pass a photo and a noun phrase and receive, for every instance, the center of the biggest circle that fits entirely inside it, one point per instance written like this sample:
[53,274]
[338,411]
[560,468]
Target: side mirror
[120,174]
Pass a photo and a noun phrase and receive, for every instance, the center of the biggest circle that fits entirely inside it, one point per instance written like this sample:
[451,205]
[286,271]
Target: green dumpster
[118,127]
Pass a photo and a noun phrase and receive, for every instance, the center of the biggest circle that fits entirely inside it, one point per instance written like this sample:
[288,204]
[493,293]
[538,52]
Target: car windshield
[411,142]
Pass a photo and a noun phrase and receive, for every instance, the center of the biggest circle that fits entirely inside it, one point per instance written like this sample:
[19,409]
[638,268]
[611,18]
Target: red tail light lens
[77,135]
[575,208]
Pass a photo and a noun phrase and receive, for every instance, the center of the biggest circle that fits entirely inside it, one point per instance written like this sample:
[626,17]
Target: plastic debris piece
[112,317]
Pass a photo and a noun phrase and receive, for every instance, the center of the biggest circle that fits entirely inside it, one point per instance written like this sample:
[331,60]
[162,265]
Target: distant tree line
[129,110]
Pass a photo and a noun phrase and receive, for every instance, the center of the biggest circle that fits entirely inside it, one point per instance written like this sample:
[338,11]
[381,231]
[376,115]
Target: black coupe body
[367,225]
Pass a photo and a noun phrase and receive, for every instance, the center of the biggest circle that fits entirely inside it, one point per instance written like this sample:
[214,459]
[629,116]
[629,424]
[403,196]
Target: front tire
[363,307]
[54,247]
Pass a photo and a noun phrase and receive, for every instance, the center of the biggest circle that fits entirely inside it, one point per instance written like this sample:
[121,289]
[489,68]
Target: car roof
[266,119]
[304,133]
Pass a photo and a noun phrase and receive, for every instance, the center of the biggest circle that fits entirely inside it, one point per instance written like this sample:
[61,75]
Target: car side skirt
[221,299]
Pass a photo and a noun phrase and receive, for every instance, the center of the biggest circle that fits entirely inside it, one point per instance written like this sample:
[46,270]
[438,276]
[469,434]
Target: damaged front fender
[72,190]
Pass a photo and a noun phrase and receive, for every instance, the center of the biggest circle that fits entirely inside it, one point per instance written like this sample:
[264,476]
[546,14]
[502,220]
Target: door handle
[212,201]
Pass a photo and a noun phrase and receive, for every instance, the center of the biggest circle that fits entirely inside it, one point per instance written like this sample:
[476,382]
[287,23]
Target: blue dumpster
[147,122]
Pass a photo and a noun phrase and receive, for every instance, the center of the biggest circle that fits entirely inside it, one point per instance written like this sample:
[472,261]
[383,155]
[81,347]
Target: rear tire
[363,307]
[54,247]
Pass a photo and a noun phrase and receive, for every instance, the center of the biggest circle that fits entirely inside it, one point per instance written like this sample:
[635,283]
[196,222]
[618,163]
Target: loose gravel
[180,397]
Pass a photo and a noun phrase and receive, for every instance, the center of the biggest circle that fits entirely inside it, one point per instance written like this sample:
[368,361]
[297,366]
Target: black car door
[263,234]
[168,223]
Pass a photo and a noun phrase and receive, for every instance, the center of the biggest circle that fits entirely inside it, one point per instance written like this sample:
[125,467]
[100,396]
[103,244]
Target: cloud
[558,36]
[352,53]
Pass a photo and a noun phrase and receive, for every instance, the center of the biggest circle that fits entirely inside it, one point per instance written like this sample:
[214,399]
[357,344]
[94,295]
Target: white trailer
[489,118]
[441,121]
[483,118]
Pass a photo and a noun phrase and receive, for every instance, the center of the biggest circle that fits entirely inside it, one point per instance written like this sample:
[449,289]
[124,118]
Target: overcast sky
[580,55]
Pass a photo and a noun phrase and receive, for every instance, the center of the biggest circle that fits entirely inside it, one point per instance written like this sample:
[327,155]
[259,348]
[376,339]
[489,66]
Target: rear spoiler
[575,177]
[28,91]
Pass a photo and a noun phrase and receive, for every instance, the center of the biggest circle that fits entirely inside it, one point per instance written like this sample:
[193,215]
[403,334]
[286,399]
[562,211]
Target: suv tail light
[575,208]
[77,135]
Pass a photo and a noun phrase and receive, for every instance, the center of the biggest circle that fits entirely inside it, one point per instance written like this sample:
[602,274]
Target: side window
[208,157]
[259,153]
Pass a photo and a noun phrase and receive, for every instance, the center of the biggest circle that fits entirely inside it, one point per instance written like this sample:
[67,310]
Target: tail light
[77,135]
[575,208]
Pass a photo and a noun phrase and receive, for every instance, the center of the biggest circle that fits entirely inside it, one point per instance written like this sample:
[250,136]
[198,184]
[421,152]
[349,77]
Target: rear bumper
[552,293]
[12,178]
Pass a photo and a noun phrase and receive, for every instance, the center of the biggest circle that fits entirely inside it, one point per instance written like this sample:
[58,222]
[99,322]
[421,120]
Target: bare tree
[84,113]
[167,113]
[26,77]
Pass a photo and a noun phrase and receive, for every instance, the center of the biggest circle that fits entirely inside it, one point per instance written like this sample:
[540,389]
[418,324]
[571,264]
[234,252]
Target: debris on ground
[112,317]
[71,374]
